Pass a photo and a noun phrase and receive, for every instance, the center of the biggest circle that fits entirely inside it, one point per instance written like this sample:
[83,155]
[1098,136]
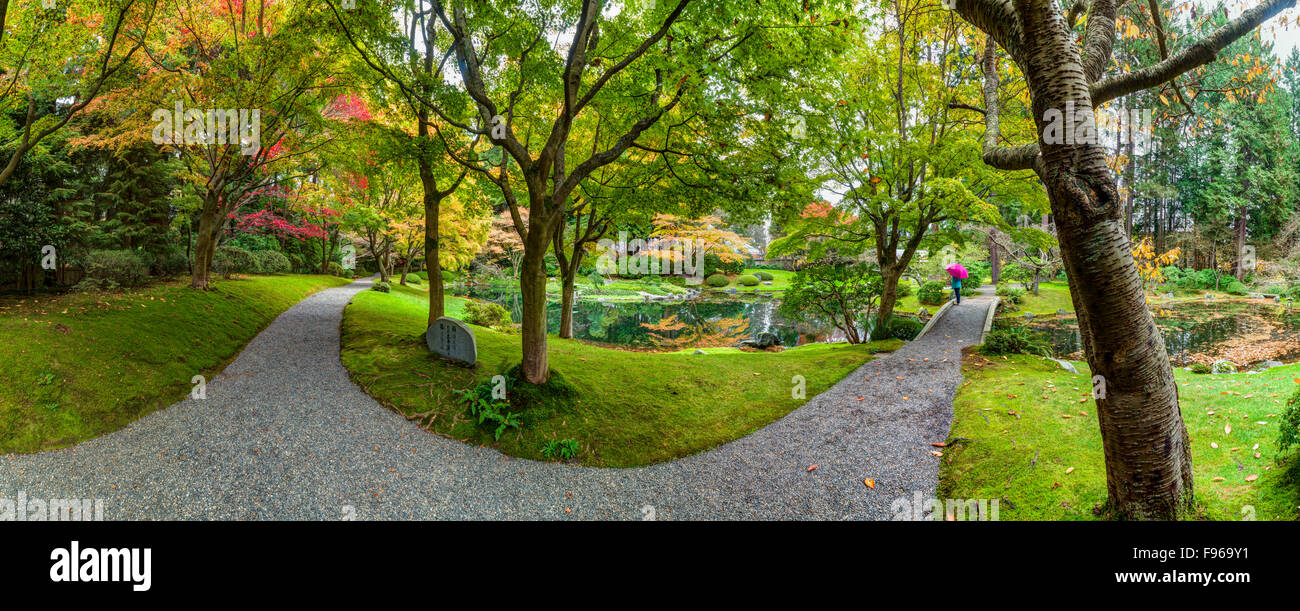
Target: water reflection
[1243,333]
[708,321]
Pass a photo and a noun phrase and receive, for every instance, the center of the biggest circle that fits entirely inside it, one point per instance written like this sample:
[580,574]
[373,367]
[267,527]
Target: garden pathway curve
[284,434]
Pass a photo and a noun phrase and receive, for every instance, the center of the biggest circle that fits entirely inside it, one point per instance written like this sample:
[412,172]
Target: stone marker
[452,339]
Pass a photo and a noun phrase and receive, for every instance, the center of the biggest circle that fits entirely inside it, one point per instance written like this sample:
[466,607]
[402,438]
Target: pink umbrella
[956,270]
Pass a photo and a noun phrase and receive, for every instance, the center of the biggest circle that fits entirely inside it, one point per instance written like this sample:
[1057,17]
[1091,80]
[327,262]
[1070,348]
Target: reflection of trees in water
[672,332]
[1197,331]
[703,322]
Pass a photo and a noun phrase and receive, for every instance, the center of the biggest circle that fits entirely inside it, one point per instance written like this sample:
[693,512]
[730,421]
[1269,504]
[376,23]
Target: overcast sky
[1284,38]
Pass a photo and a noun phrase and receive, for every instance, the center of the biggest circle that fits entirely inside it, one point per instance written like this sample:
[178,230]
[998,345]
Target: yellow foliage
[1149,262]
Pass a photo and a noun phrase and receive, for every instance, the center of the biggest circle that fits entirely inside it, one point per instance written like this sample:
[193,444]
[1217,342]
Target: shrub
[382,287]
[1289,427]
[172,262]
[272,261]
[764,276]
[486,314]
[231,259]
[717,280]
[713,264]
[906,288]
[119,267]
[1200,368]
[1013,340]
[1233,287]
[747,280]
[448,276]
[1010,294]
[904,328]
[932,293]
[969,291]
[848,290]
[424,275]
[564,449]
[335,269]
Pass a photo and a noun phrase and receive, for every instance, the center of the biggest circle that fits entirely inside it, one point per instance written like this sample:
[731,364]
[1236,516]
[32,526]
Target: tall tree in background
[410,52]
[684,60]
[1148,458]
[55,56]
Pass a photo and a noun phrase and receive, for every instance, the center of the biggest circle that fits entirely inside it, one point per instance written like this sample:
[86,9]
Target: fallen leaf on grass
[1069,471]
[1252,477]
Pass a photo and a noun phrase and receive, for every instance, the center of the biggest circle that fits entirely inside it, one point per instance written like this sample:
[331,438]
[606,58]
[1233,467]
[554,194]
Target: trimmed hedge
[764,276]
[272,261]
[486,314]
[235,260]
[932,293]
[717,281]
[747,280]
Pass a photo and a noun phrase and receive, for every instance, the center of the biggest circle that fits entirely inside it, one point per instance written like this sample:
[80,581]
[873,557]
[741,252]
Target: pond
[1245,333]
[655,325]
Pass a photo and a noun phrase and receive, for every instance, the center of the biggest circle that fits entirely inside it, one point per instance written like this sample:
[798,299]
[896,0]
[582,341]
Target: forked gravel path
[284,435]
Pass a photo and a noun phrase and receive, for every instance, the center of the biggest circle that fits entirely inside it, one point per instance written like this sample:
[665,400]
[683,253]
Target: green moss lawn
[780,281]
[632,408]
[1027,434]
[80,365]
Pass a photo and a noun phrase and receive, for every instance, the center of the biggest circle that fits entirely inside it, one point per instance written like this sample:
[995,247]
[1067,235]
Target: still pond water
[707,321]
[1241,332]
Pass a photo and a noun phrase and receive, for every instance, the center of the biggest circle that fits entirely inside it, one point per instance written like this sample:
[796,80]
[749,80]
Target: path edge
[934,319]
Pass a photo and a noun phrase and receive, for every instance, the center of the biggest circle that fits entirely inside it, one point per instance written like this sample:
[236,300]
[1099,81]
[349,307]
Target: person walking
[957,271]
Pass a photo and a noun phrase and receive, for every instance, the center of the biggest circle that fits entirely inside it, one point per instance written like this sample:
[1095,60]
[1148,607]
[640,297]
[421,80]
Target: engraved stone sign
[452,339]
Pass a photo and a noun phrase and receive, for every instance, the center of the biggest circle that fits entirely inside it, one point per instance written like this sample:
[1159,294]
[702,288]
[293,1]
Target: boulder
[762,341]
[1222,366]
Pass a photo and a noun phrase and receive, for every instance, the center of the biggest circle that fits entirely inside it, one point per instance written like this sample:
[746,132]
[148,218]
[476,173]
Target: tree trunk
[532,285]
[1148,457]
[888,297]
[566,308]
[432,208]
[1240,231]
[206,246]
[995,261]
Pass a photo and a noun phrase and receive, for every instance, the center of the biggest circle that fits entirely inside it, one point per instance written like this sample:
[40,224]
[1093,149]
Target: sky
[1284,38]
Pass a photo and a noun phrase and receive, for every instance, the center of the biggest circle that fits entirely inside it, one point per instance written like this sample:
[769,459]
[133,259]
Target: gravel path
[284,435]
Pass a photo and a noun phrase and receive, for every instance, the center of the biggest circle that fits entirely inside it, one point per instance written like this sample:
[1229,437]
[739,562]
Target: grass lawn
[780,281]
[1052,296]
[81,365]
[1044,461]
[632,408]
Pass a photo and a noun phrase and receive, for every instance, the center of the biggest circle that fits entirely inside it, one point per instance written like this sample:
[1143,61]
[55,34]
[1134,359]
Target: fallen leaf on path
[871,483]
[810,469]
